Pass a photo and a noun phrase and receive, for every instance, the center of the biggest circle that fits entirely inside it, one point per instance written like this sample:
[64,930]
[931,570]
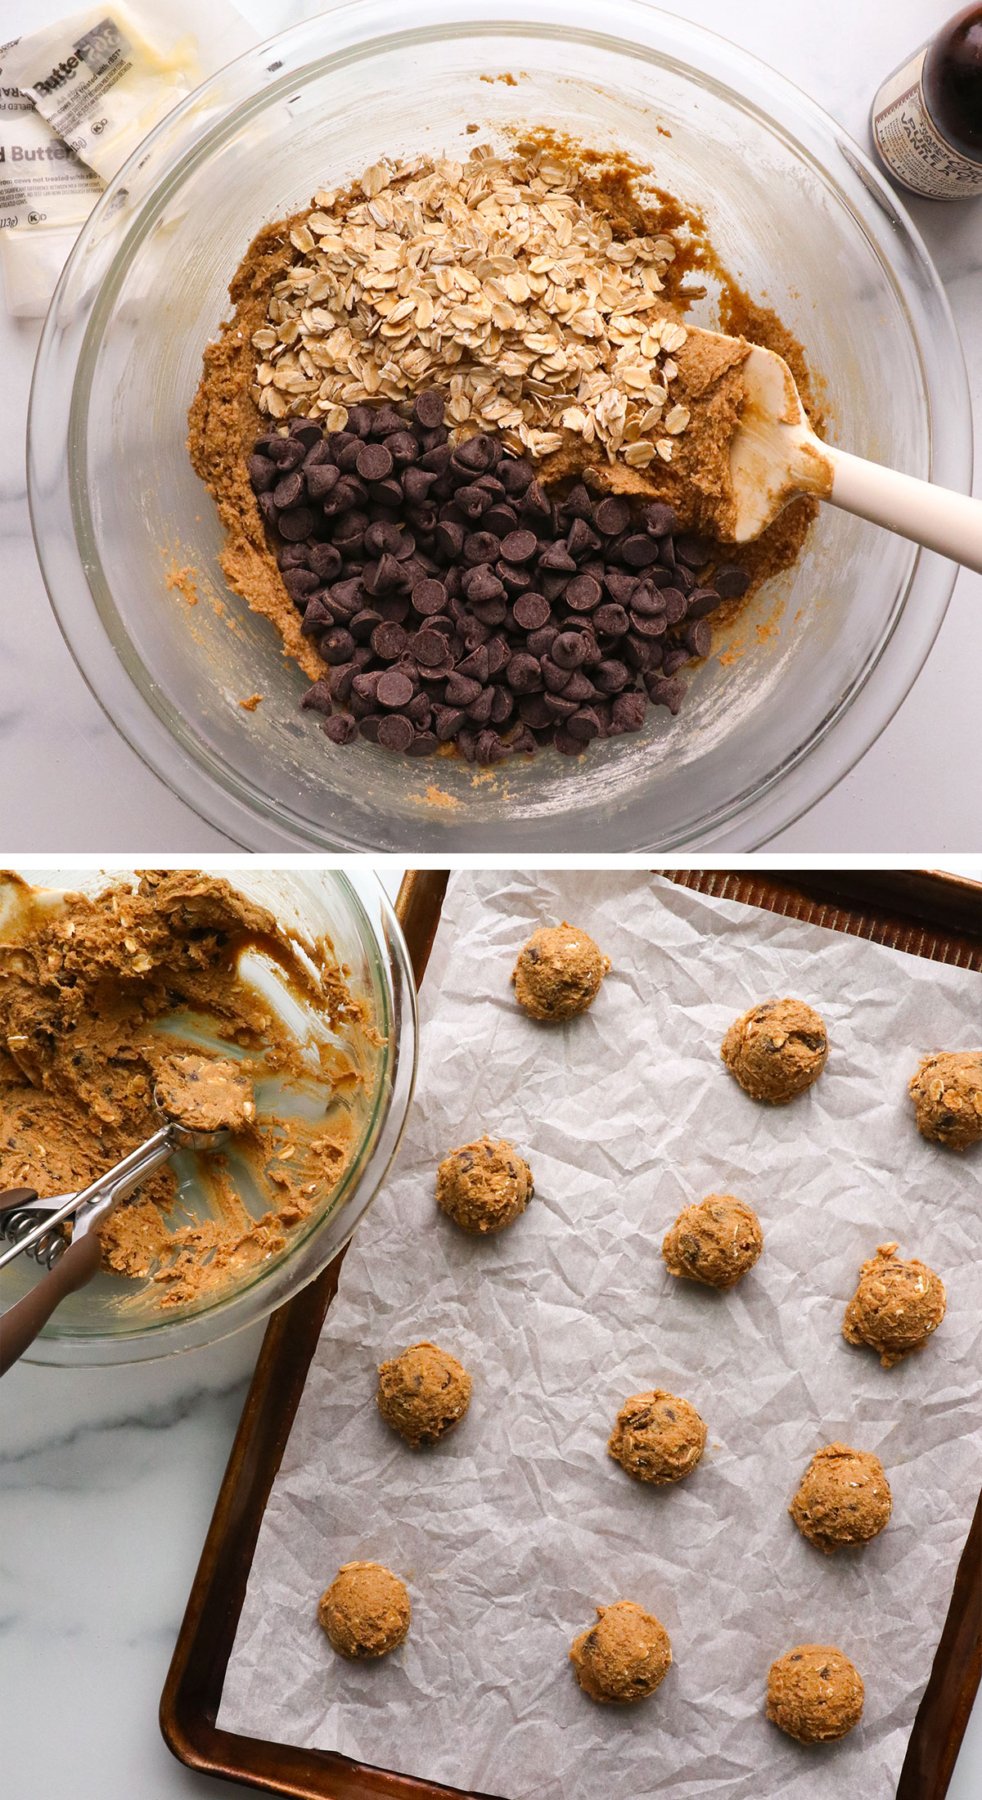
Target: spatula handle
[21,1324]
[933,516]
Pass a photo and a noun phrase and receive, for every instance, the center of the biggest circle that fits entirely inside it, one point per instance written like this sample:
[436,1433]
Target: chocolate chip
[288,490]
[430,649]
[569,649]
[481,547]
[341,729]
[583,593]
[263,472]
[638,551]
[394,688]
[516,475]
[449,539]
[395,733]
[519,546]
[306,432]
[611,676]
[424,744]
[531,611]
[701,602]
[659,518]
[674,604]
[730,581]
[699,637]
[428,410]
[667,693]
[389,641]
[462,690]
[524,674]
[627,713]
[295,525]
[318,698]
[374,462]
[321,479]
[611,620]
[612,517]
[692,550]
[475,453]
[584,724]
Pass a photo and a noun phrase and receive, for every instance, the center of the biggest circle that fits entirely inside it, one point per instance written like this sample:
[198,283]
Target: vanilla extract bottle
[926,118]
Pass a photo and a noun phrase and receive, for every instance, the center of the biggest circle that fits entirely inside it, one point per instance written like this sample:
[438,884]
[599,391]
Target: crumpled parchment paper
[513,1529]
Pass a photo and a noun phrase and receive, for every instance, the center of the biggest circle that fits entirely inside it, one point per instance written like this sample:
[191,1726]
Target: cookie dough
[624,1656]
[947,1096]
[844,1498]
[423,1393]
[657,1437]
[896,1306]
[205,1093]
[776,1050]
[715,1241]
[558,973]
[814,1693]
[365,1611]
[484,1186]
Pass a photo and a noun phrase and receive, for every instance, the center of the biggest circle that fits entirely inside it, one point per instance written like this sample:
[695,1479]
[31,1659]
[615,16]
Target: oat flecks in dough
[896,1306]
[365,1611]
[715,1241]
[776,1050]
[205,1093]
[657,1437]
[484,1186]
[624,1656]
[423,1393]
[558,973]
[814,1693]
[844,1498]
[947,1096]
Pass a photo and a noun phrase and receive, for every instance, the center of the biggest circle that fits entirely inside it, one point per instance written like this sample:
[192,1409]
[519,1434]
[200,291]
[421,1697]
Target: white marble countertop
[110,1478]
[912,792]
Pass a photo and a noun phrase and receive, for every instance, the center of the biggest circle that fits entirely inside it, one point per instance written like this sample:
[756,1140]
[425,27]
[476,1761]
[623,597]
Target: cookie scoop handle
[21,1324]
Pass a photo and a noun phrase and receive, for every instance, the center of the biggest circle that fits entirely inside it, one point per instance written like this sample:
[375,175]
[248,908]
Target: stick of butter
[105,76]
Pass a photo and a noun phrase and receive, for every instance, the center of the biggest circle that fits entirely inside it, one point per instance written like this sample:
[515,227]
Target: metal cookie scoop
[38,1228]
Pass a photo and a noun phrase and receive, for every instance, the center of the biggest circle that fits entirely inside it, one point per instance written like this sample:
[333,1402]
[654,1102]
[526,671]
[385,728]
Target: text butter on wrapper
[100,81]
[46,194]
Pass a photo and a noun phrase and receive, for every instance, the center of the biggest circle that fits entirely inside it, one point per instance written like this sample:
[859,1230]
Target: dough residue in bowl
[101,996]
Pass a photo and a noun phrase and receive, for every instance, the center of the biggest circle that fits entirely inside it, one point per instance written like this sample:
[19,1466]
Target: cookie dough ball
[896,1306]
[657,1437]
[423,1393]
[484,1186]
[624,1656]
[844,1498]
[365,1611]
[558,973]
[776,1050]
[947,1096]
[205,1093]
[814,1693]
[714,1242]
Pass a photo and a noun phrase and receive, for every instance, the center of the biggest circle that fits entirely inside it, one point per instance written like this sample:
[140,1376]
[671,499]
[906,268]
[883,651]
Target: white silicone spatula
[774,455]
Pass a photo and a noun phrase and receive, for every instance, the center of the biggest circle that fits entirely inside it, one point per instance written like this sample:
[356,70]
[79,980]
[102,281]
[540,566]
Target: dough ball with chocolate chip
[814,1693]
[843,1498]
[776,1050]
[947,1096]
[484,1186]
[624,1656]
[657,1437]
[423,1393]
[558,973]
[365,1611]
[205,1093]
[896,1306]
[715,1241]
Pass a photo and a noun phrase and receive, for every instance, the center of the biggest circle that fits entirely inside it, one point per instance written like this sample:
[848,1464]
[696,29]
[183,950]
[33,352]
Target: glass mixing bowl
[115,1319]
[818,663]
